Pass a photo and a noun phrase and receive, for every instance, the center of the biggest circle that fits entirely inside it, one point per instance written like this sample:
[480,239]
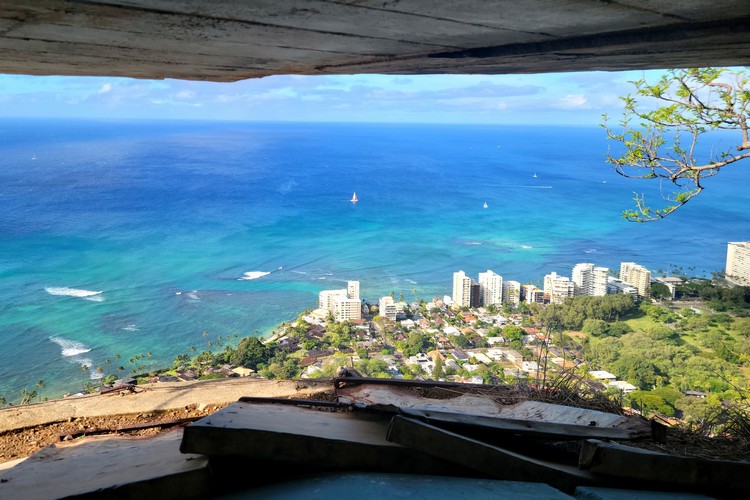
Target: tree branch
[695,101]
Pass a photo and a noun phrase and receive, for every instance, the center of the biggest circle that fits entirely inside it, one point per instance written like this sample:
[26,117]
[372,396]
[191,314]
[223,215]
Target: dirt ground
[24,430]
[21,443]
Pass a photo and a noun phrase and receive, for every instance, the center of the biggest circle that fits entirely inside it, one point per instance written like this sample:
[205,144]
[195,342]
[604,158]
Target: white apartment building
[387,308]
[532,294]
[512,292]
[352,289]
[490,288]
[461,289]
[558,288]
[616,285]
[590,280]
[738,263]
[327,298]
[345,309]
[636,275]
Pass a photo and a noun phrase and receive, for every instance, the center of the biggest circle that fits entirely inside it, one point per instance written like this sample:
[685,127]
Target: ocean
[155,237]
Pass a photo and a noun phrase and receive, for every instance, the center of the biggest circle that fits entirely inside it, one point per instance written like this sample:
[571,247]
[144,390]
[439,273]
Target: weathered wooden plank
[491,460]
[624,461]
[529,428]
[304,436]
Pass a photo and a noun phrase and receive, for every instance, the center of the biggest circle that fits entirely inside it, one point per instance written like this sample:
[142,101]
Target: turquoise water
[164,218]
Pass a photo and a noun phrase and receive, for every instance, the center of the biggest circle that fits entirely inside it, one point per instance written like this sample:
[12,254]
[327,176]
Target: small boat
[485,205]
[34,157]
[354,198]
[535,176]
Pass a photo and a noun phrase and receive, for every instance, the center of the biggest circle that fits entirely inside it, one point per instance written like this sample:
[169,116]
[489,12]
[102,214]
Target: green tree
[595,327]
[659,291]
[250,352]
[41,384]
[662,146]
[439,371]
[460,341]
[181,361]
[26,396]
[512,332]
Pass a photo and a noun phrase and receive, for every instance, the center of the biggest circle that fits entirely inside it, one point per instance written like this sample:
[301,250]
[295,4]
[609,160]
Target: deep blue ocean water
[164,218]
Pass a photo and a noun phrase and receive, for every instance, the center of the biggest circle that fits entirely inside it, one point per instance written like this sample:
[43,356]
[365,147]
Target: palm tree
[26,396]
[41,385]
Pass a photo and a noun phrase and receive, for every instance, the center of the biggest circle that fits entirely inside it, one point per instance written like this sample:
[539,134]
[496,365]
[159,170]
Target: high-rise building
[352,289]
[491,288]
[738,263]
[346,309]
[476,294]
[387,308]
[581,277]
[532,293]
[327,298]
[558,288]
[590,280]
[461,289]
[512,292]
[636,275]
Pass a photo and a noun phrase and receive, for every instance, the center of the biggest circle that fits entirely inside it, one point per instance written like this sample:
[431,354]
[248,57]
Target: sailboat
[354,198]
[485,205]
[34,157]
[535,176]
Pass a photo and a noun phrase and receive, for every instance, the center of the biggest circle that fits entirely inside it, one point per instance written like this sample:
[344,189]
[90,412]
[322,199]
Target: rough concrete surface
[229,40]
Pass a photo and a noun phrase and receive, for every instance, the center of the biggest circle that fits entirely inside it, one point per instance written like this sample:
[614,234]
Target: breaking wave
[253,275]
[70,347]
[75,292]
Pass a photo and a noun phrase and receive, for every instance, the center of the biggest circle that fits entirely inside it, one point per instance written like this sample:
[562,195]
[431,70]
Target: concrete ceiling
[227,40]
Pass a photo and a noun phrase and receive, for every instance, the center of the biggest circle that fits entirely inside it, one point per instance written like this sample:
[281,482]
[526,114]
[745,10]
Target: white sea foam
[591,250]
[130,328]
[70,347]
[74,292]
[192,295]
[253,275]
[472,243]
[410,281]
[300,272]
[526,247]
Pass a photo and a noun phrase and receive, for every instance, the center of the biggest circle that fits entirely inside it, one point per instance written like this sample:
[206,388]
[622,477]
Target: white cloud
[573,101]
[107,87]
[186,95]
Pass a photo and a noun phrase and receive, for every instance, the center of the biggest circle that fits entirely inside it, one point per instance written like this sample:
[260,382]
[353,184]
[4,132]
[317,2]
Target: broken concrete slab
[526,428]
[637,464]
[488,459]
[106,467]
[392,396]
[305,436]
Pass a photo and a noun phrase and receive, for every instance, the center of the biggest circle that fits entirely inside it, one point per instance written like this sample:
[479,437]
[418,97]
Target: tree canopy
[662,146]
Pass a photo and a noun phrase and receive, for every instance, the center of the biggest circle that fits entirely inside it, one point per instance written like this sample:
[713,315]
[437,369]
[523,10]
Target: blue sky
[561,98]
